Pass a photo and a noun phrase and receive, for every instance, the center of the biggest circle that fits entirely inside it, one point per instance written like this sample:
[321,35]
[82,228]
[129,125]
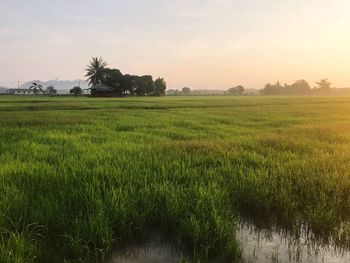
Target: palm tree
[96,71]
[36,88]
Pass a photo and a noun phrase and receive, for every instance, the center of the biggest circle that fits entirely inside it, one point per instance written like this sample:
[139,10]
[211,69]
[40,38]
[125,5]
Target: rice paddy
[80,176]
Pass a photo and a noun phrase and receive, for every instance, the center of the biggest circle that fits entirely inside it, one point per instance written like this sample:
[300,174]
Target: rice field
[81,176]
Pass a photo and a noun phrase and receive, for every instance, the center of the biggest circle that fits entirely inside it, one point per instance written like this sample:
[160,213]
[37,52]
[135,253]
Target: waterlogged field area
[81,176]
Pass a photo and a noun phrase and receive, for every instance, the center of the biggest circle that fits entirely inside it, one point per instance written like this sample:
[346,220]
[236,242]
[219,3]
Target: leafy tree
[144,85]
[324,85]
[299,87]
[271,89]
[267,89]
[96,71]
[186,90]
[236,90]
[76,91]
[148,84]
[129,84]
[50,90]
[159,87]
[113,78]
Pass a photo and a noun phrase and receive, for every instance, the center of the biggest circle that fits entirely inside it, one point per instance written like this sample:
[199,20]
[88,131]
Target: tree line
[236,91]
[299,87]
[98,73]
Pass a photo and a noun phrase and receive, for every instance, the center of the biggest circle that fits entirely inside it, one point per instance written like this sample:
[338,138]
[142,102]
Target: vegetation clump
[98,73]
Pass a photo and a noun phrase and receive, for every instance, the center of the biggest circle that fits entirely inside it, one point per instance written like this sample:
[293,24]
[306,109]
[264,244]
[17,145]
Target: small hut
[101,90]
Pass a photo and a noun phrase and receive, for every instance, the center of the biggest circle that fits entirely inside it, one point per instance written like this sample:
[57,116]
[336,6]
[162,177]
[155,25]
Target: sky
[201,44]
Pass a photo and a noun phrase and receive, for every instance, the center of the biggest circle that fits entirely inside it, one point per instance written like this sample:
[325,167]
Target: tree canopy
[36,87]
[238,91]
[144,85]
[299,87]
[159,87]
[96,71]
[50,90]
[186,90]
[324,85]
[76,91]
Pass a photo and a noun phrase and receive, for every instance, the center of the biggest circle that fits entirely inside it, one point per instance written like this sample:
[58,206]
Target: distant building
[101,90]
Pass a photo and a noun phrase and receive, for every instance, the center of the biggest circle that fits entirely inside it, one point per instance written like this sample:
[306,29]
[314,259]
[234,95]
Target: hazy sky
[211,44]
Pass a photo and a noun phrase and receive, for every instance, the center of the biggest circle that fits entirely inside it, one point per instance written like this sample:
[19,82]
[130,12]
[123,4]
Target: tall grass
[94,173]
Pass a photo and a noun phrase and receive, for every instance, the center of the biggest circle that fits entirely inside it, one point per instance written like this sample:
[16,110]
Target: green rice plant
[101,173]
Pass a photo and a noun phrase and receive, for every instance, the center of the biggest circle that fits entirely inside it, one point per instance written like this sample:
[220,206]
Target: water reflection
[258,246]
[152,252]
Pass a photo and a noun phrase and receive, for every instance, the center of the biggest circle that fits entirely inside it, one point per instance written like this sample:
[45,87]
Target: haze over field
[174,131]
[200,44]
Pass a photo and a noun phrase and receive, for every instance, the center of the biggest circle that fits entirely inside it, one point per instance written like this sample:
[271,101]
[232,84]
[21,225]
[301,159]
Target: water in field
[257,247]
[152,252]
[268,246]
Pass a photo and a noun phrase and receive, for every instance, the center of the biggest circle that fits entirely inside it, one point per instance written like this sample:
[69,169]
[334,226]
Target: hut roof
[101,87]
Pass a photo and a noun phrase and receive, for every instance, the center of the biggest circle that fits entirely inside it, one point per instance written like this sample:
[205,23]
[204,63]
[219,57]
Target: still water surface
[257,247]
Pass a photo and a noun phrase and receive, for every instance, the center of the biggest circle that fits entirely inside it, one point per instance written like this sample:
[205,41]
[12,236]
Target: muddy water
[257,247]
[152,252]
[268,246]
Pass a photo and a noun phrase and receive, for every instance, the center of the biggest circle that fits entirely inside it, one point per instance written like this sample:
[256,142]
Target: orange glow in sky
[199,44]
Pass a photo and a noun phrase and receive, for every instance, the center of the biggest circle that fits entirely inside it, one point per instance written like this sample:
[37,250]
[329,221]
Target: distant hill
[58,84]
[3,90]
